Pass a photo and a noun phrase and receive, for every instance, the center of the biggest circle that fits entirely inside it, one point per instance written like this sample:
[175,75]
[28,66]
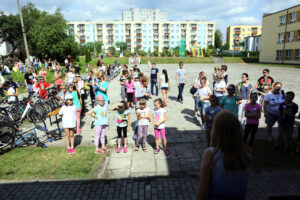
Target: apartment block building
[146,35]
[137,14]
[236,34]
[280,41]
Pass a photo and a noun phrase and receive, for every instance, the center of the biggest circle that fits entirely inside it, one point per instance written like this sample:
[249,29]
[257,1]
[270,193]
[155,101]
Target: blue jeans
[202,109]
[180,90]
[30,87]
[154,82]
[196,99]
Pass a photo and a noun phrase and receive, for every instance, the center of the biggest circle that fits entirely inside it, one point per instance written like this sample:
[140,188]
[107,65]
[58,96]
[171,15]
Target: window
[288,54]
[279,55]
[291,36]
[297,54]
[243,30]
[280,38]
[292,17]
[298,35]
[282,20]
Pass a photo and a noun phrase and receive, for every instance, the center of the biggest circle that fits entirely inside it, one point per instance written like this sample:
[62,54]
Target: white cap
[68,96]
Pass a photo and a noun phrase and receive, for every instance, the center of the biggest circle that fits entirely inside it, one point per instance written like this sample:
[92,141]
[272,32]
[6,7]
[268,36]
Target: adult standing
[181,80]
[264,85]
[225,166]
[243,89]
[272,103]
[28,79]
[219,87]
[90,84]
[153,78]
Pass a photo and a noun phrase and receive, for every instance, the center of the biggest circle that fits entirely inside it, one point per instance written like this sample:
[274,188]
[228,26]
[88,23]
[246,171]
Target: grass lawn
[34,163]
[267,159]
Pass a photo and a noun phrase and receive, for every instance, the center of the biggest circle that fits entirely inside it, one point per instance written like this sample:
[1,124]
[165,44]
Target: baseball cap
[9,78]
[68,96]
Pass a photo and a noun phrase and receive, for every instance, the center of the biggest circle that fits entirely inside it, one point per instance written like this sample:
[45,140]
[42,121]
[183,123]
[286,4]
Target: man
[28,79]
[264,85]
[181,80]
[153,78]
[13,85]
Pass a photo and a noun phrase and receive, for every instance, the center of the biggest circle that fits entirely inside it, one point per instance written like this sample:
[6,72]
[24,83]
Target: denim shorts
[271,119]
[164,88]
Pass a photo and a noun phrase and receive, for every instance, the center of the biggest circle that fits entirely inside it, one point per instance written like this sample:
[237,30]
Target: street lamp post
[24,35]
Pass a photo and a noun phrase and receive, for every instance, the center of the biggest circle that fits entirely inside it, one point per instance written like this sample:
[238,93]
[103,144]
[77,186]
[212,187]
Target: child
[100,113]
[252,114]
[143,116]
[129,90]
[210,113]
[58,80]
[68,112]
[42,85]
[159,118]
[229,102]
[77,102]
[224,72]
[123,123]
[10,92]
[288,110]
[217,70]
[135,85]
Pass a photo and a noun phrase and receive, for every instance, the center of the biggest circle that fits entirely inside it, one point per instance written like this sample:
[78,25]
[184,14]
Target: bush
[116,54]
[88,57]
[251,59]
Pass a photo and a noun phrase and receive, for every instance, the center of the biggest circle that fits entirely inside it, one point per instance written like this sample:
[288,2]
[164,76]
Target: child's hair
[278,83]
[245,74]
[231,85]
[214,97]
[160,101]
[290,93]
[72,70]
[180,63]
[219,76]
[267,70]
[144,78]
[129,78]
[142,101]
[203,79]
[217,68]
[224,67]
[141,74]
[166,75]
[253,94]
[125,104]
[100,75]
[202,73]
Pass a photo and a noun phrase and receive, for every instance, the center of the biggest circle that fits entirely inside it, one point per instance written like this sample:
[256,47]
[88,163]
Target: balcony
[254,32]
[139,46]
[194,28]
[155,39]
[237,32]
[237,38]
[128,40]
[139,40]
[155,33]
[139,34]
[155,27]
[127,27]
[237,49]
[82,40]
[166,33]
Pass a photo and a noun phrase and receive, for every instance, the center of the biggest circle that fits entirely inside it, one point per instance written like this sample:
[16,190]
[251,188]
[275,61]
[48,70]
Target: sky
[223,12]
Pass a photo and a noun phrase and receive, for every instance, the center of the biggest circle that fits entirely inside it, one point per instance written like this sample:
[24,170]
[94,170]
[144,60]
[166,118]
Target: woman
[90,84]
[80,88]
[101,86]
[197,85]
[164,85]
[203,93]
[143,91]
[225,167]
[243,90]
[220,87]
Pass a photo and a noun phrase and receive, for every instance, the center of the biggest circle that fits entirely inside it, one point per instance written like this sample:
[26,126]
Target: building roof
[268,14]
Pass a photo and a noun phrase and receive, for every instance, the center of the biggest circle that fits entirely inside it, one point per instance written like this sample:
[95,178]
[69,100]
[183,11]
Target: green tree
[218,39]
[122,46]
[88,57]
[90,46]
[164,53]
[112,50]
[127,53]
[156,52]
[116,54]
[137,49]
[149,52]
[143,53]
[98,46]
[176,51]
[225,46]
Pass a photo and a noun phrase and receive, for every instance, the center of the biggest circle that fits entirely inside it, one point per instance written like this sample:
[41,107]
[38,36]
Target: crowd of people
[228,112]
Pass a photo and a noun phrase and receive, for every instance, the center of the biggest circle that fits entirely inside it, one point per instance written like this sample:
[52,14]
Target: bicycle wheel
[7,136]
[39,108]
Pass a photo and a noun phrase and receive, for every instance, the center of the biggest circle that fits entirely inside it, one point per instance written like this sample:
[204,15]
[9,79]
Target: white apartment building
[137,14]
[146,35]
[252,43]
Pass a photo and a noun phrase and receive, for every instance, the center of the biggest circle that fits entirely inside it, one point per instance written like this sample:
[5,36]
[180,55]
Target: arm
[206,98]
[169,85]
[128,122]
[91,113]
[205,175]
[116,106]
[159,83]
[265,108]
[177,81]
[258,114]
[145,117]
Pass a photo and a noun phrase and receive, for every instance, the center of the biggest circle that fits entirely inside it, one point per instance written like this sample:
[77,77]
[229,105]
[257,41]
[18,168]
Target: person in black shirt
[28,79]
[77,69]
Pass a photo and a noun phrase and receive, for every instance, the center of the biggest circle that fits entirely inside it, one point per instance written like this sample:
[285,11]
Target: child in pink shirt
[129,90]
[252,114]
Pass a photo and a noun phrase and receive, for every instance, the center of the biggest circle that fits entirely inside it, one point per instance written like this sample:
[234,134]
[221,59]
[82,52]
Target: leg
[71,131]
[145,131]
[207,134]
[288,136]
[78,120]
[125,136]
[156,86]
[196,100]
[140,135]
[102,136]
[253,133]
[281,133]
[151,84]
[67,137]
[165,93]
[156,132]
[97,136]
[119,131]
[247,131]
[163,137]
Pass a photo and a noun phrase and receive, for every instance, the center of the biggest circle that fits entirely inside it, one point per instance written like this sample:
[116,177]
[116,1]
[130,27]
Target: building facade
[145,35]
[236,34]
[280,41]
[252,43]
[137,14]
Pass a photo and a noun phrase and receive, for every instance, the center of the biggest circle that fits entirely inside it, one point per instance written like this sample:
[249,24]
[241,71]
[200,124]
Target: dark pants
[119,131]
[2,92]
[180,89]
[154,82]
[250,128]
[83,104]
[92,95]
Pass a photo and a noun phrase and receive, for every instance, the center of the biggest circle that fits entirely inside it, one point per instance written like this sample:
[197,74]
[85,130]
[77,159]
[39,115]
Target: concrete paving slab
[119,163]
[141,166]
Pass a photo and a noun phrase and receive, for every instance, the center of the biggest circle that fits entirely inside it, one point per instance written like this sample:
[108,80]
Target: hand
[202,99]
[239,101]
[177,84]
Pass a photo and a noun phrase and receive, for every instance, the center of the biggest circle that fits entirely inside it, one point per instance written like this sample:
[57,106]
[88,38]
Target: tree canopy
[218,39]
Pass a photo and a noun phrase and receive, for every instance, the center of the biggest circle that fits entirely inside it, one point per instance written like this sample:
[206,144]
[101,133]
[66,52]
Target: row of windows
[243,29]
[288,54]
[292,18]
[290,36]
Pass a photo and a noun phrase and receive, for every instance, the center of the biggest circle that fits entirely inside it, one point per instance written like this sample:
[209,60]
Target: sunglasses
[120,107]
[264,72]
[230,89]
[101,100]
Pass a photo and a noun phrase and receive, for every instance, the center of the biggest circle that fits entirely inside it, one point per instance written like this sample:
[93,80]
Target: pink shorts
[162,133]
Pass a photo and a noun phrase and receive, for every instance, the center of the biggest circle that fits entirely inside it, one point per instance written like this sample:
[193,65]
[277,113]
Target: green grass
[34,163]
[267,159]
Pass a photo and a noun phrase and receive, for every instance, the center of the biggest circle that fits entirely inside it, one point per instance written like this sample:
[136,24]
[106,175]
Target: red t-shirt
[59,82]
[43,87]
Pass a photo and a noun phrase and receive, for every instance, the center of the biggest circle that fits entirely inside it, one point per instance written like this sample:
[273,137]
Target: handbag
[193,90]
